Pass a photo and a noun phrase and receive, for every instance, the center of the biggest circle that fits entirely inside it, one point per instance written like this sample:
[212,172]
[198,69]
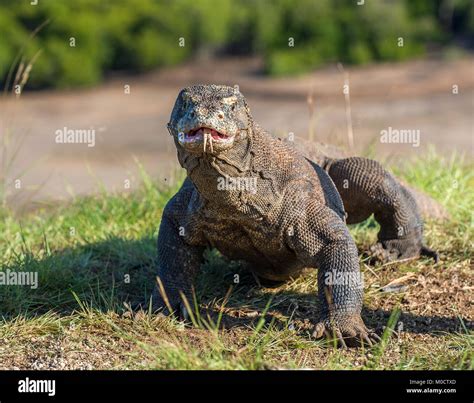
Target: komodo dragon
[258,199]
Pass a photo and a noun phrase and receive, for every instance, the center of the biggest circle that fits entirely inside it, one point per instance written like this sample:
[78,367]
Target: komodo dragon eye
[231,101]
[186,102]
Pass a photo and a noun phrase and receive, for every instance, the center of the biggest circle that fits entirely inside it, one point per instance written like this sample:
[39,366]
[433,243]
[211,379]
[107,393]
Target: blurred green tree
[86,39]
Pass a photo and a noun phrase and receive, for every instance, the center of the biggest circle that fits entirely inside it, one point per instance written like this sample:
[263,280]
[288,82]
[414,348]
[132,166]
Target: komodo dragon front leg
[320,239]
[366,188]
[178,263]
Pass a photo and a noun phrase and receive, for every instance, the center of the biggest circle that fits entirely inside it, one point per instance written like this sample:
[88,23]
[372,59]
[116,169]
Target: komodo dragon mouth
[203,136]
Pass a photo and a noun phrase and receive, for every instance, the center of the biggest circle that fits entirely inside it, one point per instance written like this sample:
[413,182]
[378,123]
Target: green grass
[95,258]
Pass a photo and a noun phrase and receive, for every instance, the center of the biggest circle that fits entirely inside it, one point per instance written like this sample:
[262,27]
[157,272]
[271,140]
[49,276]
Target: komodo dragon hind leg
[366,188]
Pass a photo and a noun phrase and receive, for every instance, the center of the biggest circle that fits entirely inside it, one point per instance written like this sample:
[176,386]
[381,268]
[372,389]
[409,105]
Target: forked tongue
[207,136]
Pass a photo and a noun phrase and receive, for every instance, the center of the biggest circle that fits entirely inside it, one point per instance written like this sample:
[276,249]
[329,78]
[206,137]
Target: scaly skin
[366,188]
[281,212]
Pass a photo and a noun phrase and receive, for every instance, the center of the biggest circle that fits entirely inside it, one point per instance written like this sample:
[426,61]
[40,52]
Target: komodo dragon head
[209,119]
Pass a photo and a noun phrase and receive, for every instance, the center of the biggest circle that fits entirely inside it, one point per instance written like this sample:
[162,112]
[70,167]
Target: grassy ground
[96,258]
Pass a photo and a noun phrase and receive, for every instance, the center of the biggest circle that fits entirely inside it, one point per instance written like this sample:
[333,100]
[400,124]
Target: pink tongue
[201,131]
[215,135]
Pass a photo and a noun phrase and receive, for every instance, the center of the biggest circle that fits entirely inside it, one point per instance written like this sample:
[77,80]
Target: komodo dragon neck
[229,179]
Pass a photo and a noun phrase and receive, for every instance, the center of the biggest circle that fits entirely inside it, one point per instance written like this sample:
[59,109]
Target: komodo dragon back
[323,154]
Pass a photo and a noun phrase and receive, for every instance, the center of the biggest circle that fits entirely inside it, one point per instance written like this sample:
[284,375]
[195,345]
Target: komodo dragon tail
[429,208]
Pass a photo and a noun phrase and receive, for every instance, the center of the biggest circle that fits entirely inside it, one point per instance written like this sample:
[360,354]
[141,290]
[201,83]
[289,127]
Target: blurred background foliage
[139,35]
